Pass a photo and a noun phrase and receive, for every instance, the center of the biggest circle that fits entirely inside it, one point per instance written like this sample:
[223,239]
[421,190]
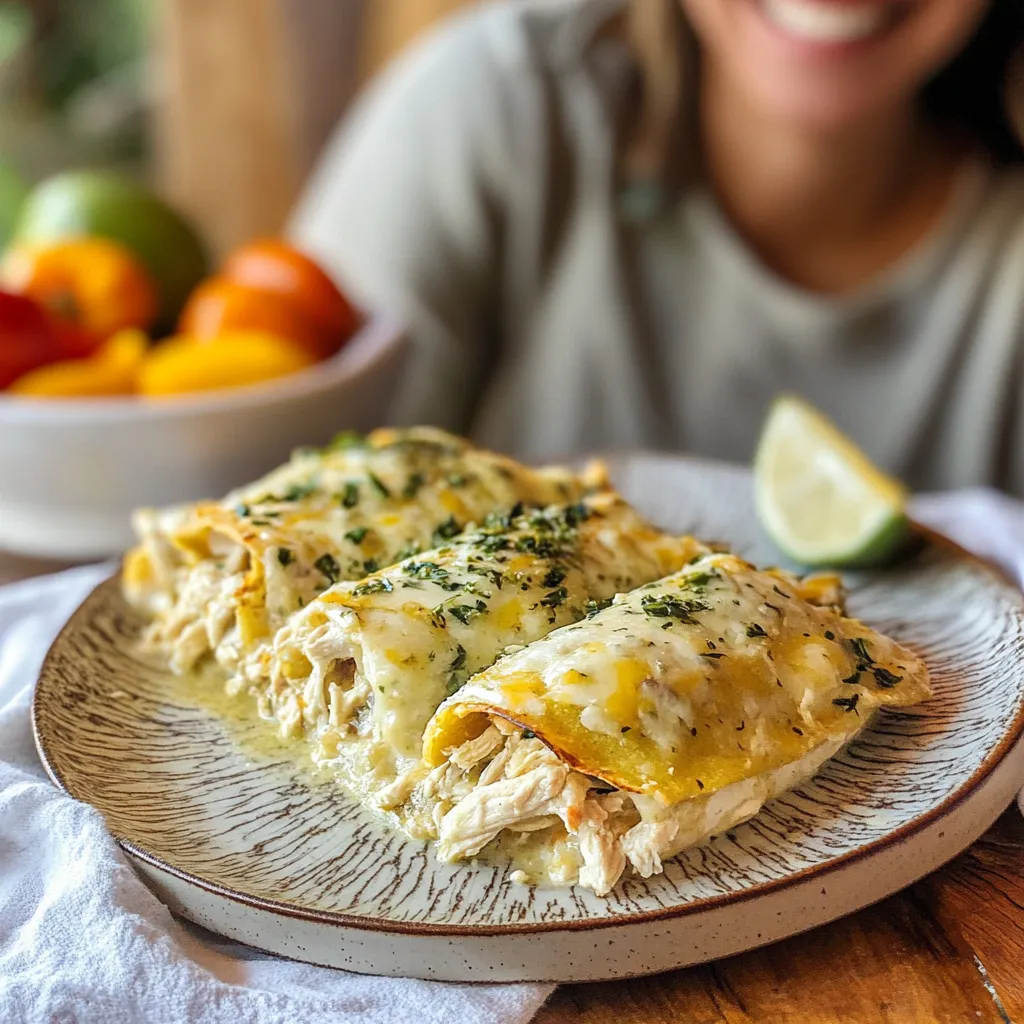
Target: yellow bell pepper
[112,370]
[184,364]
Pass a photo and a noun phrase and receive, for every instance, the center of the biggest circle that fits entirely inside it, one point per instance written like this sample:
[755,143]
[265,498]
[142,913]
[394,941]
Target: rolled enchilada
[219,578]
[671,715]
[361,669]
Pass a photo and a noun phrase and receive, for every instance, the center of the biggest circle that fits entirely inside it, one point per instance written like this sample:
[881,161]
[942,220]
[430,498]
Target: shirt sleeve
[403,210]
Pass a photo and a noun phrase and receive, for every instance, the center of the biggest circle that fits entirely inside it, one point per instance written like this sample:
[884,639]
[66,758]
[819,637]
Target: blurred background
[222,105]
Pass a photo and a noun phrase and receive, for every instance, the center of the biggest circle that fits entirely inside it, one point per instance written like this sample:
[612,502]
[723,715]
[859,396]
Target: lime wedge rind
[819,498]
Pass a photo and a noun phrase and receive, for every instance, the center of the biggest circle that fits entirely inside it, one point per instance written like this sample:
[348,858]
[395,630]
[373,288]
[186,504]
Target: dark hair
[970,95]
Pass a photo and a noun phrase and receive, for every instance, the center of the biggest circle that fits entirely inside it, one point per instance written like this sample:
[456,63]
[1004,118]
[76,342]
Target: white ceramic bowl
[72,471]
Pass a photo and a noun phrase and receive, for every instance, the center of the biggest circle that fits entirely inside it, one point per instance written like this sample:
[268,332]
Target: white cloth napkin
[82,940]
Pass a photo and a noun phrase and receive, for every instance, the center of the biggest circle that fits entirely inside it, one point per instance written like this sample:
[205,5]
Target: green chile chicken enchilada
[365,665]
[220,577]
[672,715]
[511,662]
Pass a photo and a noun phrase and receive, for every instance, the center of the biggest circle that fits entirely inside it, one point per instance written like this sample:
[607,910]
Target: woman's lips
[826,22]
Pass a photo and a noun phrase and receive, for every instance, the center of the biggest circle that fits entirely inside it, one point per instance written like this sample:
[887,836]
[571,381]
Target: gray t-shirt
[474,193]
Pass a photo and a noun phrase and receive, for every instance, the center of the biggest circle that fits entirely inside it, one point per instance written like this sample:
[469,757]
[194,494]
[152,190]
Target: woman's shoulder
[489,56]
[996,223]
[518,35]
[470,99]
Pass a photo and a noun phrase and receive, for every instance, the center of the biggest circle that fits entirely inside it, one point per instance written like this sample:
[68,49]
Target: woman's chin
[819,104]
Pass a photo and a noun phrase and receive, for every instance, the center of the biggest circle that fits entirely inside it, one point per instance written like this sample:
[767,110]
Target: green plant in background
[63,45]
[73,84]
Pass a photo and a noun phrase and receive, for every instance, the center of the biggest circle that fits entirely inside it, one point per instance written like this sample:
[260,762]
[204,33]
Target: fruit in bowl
[94,256]
[98,204]
[270,285]
[128,377]
[94,284]
[73,469]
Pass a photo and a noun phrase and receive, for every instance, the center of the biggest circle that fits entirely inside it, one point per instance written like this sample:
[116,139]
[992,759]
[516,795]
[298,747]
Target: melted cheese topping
[221,577]
[377,657]
[671,715]
[687,685]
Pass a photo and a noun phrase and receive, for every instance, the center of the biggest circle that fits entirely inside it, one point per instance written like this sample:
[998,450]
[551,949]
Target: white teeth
[827,22]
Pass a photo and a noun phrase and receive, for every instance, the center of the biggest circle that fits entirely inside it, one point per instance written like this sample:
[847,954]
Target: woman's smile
[824,64]
[831,23]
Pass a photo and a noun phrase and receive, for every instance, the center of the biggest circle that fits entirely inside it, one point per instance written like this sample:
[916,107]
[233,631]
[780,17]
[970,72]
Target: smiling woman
[621,224]
[828,63]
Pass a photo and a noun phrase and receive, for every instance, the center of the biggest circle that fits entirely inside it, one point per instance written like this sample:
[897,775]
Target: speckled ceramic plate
[235,833]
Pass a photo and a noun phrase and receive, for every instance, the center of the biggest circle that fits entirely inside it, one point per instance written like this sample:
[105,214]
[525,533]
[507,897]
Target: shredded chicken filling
[505,782]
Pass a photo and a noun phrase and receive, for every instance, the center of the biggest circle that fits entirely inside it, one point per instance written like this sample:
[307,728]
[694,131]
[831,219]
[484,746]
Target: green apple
[13,191]
[98,203]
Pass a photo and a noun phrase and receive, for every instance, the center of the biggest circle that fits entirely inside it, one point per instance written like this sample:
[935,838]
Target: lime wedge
[818,495]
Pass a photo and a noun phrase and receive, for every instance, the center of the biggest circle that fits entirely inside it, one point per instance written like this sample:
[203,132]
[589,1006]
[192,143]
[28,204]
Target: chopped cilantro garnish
[555,598]
[446,530]
[492,545]
[847,703]
[456,673]
[668,606]
[433,572]
[356,535]
[349,497]
[860,648]
[381,585]
[755,629]
[378,485]
[328,567]
[346,439]
[554,576]
[412,485]
[299,491]
[593,607]
[465,612]
[576,514]
[285,556]
[885,678]
[370,565]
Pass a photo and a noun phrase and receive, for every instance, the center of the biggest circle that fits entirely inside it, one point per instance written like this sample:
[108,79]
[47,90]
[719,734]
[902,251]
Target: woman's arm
[404,208]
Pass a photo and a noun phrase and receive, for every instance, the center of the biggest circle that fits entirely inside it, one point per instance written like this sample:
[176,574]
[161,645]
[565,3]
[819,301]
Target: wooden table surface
[948,949]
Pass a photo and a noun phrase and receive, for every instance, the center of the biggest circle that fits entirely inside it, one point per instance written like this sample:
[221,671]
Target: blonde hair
[663,46]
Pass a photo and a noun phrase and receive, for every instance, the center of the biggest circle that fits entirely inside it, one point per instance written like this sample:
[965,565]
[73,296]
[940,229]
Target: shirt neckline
[904,275]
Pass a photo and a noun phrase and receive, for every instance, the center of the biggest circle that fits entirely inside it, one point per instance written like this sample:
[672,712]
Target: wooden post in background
[391,24]
[250,90]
